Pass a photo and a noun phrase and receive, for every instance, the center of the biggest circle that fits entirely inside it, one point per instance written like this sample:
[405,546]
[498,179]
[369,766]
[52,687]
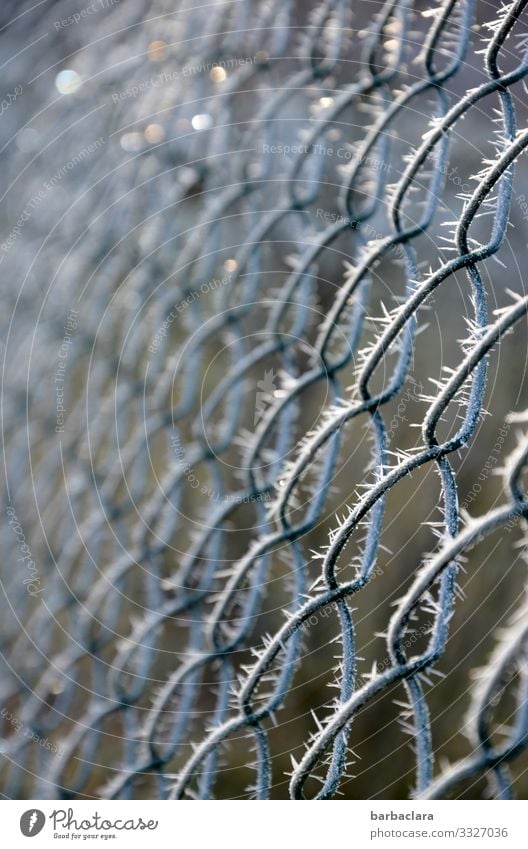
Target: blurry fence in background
[245,451]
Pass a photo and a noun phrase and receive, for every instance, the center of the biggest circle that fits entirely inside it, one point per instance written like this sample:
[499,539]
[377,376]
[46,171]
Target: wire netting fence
[263,273]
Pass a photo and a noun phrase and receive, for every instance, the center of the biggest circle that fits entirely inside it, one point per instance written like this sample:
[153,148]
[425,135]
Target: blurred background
[167,169]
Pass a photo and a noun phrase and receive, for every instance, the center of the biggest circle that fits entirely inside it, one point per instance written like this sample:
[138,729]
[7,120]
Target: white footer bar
[265,825]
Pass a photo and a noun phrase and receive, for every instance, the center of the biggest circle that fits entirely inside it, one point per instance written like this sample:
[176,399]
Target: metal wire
[157,512]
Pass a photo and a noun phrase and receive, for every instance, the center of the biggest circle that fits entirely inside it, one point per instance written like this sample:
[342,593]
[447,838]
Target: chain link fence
[263,272]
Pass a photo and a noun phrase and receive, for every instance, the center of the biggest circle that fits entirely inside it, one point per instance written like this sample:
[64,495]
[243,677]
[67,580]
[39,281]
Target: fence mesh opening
[263,400]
